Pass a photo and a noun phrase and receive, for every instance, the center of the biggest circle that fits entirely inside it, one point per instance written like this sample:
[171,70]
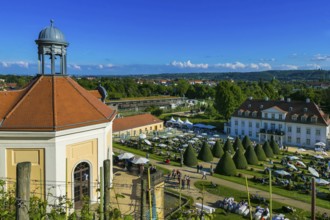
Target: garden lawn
[143,153]
[240,195]
[276,190]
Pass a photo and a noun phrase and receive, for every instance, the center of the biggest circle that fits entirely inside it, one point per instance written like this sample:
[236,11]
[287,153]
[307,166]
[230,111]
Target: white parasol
[321,181]
[318,157]
[300,163]
[321,144]
[147,142]
[282,173]
[313,171]
[125,155]
[142,136]
[292,166]
[141,160]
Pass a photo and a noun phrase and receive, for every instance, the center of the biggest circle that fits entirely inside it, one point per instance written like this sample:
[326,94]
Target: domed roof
[51,34]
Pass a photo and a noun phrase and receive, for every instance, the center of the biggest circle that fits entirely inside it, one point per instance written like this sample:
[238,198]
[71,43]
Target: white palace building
[293,123]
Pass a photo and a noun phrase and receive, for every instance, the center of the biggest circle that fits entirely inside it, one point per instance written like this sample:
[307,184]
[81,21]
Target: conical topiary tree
[246,142]
[226,165]
[228,147]
[217,150]
[189,157]
[274,146]
[251,156]
[260,153]
[239,159]
[268,150]
[205,153]
[238,144]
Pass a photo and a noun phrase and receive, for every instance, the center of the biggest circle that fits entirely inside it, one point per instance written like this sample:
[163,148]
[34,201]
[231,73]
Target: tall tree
[268,150]
[227,98]
[274,146]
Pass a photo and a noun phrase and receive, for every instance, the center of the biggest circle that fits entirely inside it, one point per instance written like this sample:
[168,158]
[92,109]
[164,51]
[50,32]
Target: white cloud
[23,64]
[189,64]
[289,67]
[320,57]
[74,66]
[313,66]
[101,66]
[239,65]
[265,66]
[234,66]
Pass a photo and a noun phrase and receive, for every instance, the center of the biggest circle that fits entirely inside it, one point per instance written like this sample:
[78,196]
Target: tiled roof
[51,103]
[95,93]
[122,124]
[298,108]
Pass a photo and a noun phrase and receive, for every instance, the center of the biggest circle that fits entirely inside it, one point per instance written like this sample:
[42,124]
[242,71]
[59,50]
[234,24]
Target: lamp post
[181,158]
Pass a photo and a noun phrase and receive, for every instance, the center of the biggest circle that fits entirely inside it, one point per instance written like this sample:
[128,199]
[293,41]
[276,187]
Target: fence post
[143,198]
[106,176]
[23,172]
[102,214]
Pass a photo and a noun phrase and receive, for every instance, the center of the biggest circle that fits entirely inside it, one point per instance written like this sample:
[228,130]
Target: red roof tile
[51,103]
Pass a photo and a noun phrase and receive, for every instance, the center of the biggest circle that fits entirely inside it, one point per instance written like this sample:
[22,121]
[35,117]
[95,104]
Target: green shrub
[226,165]
[251,156]
[205,153]
[189,157]
[228,147]
[240,160]
[260,153]
[268,150]
[238,144]
[246,142]
[274,146]
[217,150]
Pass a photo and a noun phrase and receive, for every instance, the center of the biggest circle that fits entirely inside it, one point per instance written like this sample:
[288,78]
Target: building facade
[58,126]
[136,125]
[293,123]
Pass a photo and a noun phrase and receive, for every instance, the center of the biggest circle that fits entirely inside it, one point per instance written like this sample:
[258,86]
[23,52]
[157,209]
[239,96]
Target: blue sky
[164,36]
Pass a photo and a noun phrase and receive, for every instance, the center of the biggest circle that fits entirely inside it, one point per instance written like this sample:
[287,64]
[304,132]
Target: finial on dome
[51,22]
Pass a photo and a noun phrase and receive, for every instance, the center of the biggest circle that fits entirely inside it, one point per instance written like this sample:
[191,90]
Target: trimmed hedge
[217,150]
[274,146]
[260,153]
[189,157]
[226,165]
[251,156]
[268,150]
[205,153]
[228,147]
[238,144]
[246,142]
[240,160]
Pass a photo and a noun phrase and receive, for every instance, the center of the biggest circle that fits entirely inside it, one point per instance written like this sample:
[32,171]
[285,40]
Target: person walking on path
[197,168]
[188,182]
[204,175]
[183,181]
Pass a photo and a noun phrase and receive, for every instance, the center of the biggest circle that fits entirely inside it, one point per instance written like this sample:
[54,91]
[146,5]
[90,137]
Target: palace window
[317,132]
[298,130]
[298,140]
[250,124]
[308,131]
[289,129]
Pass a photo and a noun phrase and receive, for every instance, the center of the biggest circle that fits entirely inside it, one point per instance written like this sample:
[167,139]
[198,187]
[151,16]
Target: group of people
[183,182]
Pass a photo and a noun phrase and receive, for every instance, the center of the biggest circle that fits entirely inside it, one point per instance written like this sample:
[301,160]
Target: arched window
[81,178]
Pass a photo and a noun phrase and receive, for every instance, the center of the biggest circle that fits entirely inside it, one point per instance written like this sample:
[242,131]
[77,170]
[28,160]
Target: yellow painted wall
[82,152]
[37,159]
[160,199]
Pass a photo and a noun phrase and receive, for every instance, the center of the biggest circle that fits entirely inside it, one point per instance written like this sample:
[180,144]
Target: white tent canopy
[172,120]
[179,121]
[187,122]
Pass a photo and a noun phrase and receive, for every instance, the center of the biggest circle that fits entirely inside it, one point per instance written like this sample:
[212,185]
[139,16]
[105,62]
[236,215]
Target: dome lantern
[51,42]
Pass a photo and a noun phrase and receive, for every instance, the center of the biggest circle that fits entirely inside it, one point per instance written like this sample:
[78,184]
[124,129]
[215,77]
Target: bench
[207,209]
